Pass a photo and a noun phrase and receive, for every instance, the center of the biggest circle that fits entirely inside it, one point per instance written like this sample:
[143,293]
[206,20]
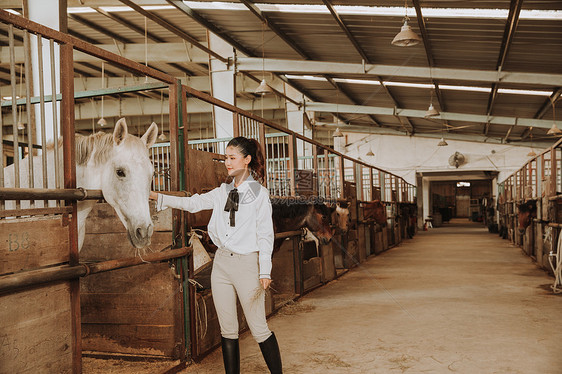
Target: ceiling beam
[100,29]
[273,27]
[139,30]
[408,126]
[182,7]
[450,116]
[544,108]
[174,29]
[157,52]
[450,136]
[509,31]
[344,27]
[428,53]
[370,70]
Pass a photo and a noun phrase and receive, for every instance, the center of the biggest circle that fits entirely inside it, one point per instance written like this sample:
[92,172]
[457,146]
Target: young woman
[241,227]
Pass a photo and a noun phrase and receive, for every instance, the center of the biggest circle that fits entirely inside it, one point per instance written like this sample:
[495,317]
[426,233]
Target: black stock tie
[232,205]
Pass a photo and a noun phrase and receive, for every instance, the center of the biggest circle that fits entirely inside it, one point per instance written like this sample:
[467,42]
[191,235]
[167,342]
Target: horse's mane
[101,142]
[283,208]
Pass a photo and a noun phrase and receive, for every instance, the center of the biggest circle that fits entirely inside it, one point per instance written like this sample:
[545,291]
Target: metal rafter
[263,18]
[141,31]
[542,111]
[428,53]
[100,29]
[182,7]
[509,31]
[174,29]
[365,58]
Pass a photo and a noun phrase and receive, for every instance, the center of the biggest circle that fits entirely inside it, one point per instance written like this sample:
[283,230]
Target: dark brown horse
[525,214]
[295,214]
[376,211]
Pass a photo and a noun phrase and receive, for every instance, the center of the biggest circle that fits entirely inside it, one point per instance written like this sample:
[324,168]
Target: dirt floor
[453,299]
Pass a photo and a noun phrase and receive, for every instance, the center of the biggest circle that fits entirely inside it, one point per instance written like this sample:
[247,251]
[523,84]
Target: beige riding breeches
[235,274]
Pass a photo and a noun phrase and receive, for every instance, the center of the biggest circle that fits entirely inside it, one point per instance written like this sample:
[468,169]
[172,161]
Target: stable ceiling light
[263,88]
[431,111]
[532,153]
[337,133]
[102,122]
[162,136]
[21,125]
[554,130]
[406,37]
[370,153]
[442,143]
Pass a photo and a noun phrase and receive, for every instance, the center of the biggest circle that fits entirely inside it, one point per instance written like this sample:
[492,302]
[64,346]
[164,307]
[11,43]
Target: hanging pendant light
[406,37]
[102,122]
[263,88]
[431,111]
[370,153]
[337,133]
[442,143]
[554,130]
[532,153]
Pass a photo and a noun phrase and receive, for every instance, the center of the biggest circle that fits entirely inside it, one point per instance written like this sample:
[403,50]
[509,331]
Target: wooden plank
[328,264]
[130,339]
[283,268]
[103,219]
[208,174]
[35,332]
[132,310]
[361,244]
[30,243]
[103,247]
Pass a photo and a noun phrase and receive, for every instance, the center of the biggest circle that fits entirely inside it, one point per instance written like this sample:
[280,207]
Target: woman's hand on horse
[265,283]
[153,196]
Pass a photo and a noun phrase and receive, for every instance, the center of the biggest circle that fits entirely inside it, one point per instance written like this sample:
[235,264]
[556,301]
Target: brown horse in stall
[525,214]
[295,214]
[375,210]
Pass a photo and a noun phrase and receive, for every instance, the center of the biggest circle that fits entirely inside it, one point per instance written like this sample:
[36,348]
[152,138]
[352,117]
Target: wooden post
[342,177]
[316,186]
[263,145]
[372,197]
[292,163]
[67,123]
[235,124]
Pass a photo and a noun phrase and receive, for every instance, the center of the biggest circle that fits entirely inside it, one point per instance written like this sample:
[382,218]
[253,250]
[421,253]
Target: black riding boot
[231,355]
[270,351]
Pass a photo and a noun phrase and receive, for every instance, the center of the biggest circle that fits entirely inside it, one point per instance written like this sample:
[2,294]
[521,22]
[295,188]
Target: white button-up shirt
[253,230]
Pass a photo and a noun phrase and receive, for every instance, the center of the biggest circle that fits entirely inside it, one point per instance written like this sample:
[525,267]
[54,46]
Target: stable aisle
[453,299]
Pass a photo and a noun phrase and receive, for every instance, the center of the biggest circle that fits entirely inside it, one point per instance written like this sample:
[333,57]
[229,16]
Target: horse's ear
[120,132]
[149,137]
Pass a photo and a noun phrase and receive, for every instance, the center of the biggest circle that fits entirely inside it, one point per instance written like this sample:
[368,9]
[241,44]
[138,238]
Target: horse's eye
[120,173]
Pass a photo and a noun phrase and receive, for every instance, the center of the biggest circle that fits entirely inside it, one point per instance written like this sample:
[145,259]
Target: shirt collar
[244,186]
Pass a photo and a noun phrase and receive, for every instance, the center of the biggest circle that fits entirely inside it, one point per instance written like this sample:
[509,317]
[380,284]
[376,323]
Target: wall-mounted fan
[457,159]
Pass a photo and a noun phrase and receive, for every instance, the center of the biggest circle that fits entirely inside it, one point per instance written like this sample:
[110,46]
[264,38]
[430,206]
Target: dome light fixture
[442,143]
[337,133]
[406,37]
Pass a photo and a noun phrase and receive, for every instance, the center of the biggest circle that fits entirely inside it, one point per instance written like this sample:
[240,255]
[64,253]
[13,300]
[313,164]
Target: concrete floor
[453,299]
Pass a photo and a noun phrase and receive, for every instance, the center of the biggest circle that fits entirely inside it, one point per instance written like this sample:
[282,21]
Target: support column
[426,202]
[223,86]
[46,12]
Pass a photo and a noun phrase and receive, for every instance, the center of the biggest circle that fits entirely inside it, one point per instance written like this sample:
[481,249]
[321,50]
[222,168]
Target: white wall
[404,156]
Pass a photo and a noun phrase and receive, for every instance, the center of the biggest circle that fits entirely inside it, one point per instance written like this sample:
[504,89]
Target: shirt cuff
[160,203]
[265,276]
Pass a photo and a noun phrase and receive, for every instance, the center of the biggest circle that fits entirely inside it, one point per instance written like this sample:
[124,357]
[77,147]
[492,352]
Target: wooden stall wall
[35,330]
[135,311]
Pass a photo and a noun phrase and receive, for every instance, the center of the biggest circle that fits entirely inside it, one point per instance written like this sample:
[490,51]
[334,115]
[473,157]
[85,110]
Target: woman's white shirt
[253,229]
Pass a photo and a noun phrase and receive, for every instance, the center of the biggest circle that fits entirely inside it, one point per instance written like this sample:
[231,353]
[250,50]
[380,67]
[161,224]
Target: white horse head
[120,166]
